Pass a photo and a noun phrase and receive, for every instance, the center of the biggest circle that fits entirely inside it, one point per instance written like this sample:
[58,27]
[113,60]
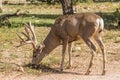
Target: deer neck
[51,42]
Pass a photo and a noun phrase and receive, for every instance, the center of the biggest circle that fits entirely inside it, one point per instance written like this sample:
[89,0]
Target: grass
[39,13]
[5,67]
[43,17]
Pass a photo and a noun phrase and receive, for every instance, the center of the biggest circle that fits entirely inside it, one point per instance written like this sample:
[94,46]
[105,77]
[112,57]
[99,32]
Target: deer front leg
[63,53]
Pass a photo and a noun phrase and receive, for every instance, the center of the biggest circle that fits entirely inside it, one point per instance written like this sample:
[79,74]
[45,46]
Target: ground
[112,73]
[80,61]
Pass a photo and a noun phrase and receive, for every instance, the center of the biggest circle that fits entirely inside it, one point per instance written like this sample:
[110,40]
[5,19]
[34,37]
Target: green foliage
[89,1]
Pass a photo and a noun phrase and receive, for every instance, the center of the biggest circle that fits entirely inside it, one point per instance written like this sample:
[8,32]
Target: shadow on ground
[47,69]
[42,67]
[110,19]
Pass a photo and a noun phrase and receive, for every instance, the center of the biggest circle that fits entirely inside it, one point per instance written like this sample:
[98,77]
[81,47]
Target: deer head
[29,33]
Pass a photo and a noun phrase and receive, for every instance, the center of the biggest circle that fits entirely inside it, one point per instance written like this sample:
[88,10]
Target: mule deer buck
[66,29]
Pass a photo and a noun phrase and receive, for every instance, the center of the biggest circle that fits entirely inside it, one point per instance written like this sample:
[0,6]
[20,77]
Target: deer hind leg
[65,42]
[101,45]
[93,49]
[69,53]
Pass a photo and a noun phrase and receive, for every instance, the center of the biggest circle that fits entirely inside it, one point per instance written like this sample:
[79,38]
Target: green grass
[112,35]
[43,17]
[33,71]
[39,13]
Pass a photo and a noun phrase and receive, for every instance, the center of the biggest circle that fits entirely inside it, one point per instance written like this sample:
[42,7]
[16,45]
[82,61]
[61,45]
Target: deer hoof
[87,73]
[103,73]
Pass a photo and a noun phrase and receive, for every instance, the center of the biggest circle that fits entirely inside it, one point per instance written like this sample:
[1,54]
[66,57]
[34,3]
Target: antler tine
[25,35]
[27,30]
[31,28]
[20,37]
[26,25]
[22,40]
[29,39]
[33,33]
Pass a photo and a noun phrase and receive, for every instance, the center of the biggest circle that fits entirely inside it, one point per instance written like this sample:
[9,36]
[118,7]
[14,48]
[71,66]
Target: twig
[6,17]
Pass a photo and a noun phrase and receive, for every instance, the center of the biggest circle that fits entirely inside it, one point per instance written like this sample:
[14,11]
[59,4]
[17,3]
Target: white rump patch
[100,22]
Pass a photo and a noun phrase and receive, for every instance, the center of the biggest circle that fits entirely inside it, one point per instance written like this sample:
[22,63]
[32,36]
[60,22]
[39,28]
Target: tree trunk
[67,6]
[0,5]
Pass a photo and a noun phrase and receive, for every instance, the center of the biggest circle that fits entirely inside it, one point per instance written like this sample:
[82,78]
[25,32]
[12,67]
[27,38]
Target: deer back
[77,25]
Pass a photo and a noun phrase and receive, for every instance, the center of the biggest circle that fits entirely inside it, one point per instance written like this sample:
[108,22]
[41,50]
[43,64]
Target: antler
[30,35]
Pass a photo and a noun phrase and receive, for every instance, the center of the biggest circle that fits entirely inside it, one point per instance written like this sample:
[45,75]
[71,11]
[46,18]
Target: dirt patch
[80,62]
